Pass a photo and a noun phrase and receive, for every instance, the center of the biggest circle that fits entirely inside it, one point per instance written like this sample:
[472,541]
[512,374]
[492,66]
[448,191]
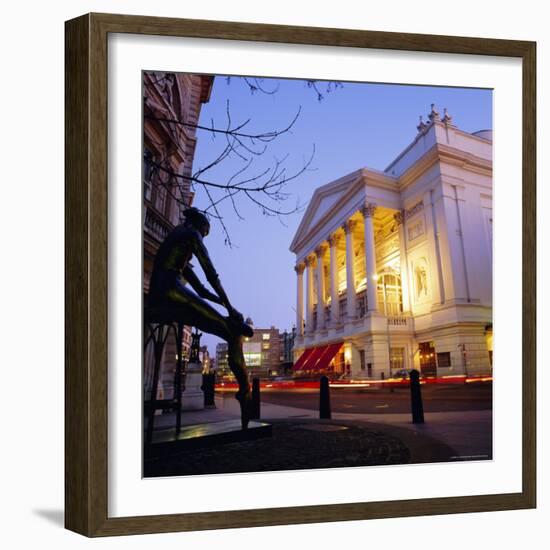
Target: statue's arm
[211,275]
[198,287]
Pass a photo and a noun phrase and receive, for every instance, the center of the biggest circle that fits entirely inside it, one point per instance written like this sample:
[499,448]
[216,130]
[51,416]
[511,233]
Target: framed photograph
[299,282]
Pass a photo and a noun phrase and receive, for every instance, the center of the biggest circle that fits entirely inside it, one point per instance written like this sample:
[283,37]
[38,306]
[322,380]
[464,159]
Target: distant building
[222,366]
[398,264]
[168,148]
[262,352]
[268,353]
[286,349]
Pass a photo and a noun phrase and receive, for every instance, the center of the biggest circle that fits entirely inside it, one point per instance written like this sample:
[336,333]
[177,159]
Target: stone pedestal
[203,436]
[192,398]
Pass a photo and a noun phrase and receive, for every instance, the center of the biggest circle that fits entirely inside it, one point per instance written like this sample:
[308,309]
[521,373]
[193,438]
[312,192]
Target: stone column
[309,294]
[300,299]
[350,271]
[370,255]
[403,261]
[320,252]
[334,298]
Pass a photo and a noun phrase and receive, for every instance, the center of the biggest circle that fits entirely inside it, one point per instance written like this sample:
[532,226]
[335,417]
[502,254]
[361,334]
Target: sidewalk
[469,433]
[301,440]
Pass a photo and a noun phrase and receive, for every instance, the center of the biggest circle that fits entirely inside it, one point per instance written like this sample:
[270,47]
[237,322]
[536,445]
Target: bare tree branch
[263,187]
[264,137]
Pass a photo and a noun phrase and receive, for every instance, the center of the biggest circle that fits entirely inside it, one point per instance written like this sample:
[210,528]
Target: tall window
[389,296]
[160,199]
[147,174]
[397,359]
[444,359]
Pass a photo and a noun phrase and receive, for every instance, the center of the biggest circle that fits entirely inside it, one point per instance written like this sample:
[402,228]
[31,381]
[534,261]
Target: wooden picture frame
[86,222]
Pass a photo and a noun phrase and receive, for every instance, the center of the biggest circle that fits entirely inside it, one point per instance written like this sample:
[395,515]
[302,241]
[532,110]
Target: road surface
[436,398]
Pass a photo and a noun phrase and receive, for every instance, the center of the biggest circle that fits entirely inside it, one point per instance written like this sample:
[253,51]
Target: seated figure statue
[168,293]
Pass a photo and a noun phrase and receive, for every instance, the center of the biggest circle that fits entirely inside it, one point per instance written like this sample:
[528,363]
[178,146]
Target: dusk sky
[354,126]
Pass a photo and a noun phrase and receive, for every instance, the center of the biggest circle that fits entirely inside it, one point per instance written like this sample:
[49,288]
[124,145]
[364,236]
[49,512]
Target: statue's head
[196,219]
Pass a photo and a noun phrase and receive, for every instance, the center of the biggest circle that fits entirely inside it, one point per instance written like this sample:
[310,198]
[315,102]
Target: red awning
[313,358]
[327,356]
[302,359]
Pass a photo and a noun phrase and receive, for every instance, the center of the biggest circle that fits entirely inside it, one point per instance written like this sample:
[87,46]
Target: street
[436,398]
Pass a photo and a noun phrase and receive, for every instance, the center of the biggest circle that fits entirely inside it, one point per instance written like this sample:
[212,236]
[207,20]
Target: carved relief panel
[421,280]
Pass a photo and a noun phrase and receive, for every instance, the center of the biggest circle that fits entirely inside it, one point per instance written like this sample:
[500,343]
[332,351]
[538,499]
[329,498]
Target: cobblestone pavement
[296,444]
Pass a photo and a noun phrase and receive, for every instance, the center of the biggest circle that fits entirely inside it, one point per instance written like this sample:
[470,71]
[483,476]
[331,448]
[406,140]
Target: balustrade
[397,321]
[156,225]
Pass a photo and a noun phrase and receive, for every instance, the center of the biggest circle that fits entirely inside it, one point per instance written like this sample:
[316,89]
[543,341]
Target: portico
[342,277]
[346,286]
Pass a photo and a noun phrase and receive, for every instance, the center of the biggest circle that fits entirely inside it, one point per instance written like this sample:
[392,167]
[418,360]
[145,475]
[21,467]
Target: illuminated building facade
[394,267]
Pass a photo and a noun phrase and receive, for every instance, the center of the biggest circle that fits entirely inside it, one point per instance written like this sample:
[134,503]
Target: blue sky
[356,125]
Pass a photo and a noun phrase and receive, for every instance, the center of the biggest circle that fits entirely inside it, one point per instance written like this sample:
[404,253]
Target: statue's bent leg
[195,311]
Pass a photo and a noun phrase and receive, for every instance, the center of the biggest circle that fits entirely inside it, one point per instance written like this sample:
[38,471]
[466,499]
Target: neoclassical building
[394,267]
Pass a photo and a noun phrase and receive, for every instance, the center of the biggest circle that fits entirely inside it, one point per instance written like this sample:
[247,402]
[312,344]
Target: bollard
[324,398]
[255,408]
[416,398]
[208,387]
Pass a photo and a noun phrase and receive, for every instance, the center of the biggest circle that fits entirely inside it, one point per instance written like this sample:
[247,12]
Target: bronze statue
[169,294]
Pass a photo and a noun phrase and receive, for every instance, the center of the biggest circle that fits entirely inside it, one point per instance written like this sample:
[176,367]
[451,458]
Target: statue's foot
[245,401]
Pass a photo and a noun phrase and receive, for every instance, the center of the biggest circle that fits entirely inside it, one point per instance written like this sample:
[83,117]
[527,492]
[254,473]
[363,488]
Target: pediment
[324,205]
[325,200]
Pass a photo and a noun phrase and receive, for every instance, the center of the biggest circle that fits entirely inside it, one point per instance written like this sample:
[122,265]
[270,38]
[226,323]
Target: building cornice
[366,177]
[445,154]
[380,179]
[207,83]
[469,161]
[427,129]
